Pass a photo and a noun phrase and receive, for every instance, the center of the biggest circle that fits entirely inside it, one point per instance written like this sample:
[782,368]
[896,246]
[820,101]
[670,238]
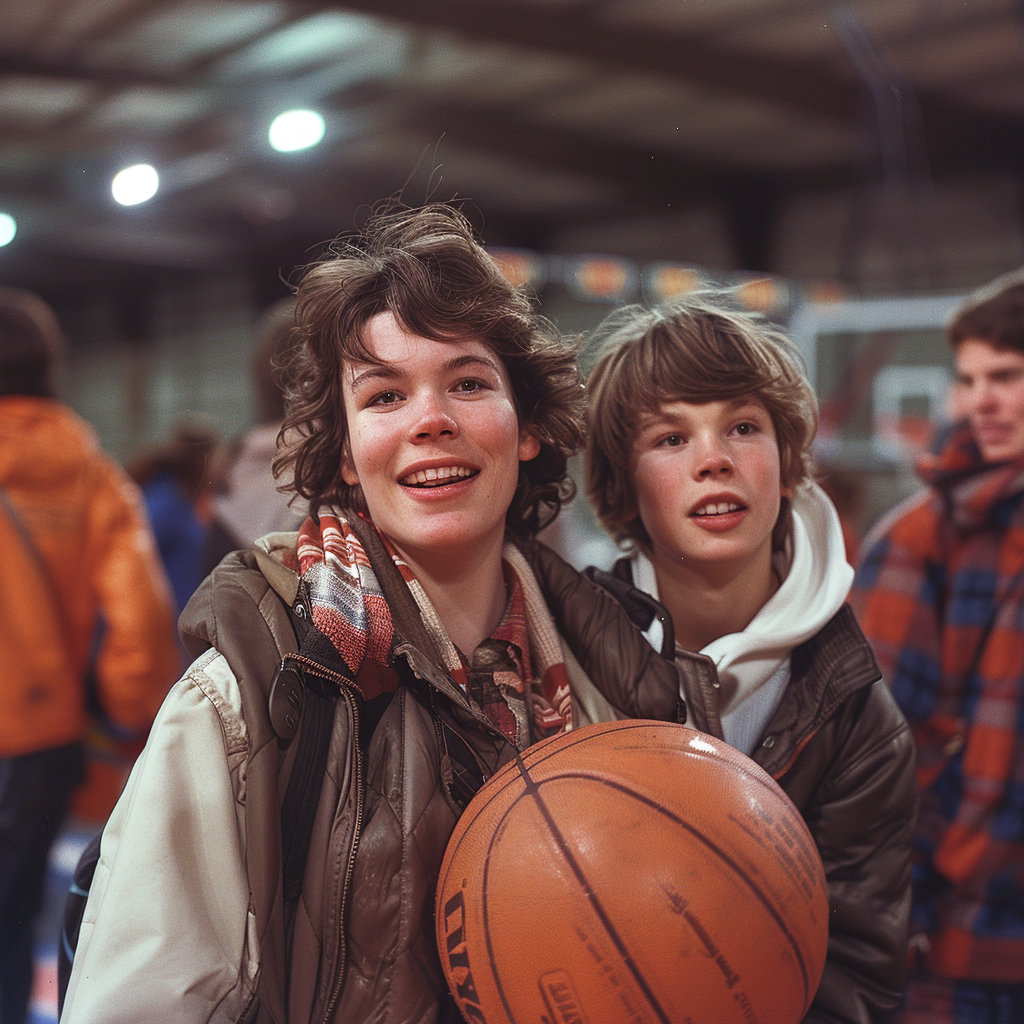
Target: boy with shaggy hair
[698,463]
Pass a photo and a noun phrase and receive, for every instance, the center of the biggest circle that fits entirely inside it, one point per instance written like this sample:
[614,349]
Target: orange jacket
[88,522]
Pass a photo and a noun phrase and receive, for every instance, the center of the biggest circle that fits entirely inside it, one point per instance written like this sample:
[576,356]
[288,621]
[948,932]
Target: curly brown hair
[691,350]
[426,267]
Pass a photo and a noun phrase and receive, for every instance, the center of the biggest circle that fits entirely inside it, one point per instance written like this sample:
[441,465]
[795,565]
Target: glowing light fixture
[8,228]
[296,129]
[135,184]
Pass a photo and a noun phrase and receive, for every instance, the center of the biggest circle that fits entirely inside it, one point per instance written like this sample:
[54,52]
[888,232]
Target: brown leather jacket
[840,748]
[363,945]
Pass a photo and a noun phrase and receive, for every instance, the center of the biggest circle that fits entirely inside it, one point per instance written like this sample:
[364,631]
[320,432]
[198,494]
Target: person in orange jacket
[81,588]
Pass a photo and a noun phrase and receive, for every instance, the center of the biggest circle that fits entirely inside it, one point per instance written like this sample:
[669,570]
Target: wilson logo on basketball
[561,999]
[458,957]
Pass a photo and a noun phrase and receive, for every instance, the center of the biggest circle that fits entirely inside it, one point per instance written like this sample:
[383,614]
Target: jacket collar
[971,489]
[826,670]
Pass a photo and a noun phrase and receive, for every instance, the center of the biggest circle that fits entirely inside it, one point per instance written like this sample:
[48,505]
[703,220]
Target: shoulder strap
[302,699]
[59,614]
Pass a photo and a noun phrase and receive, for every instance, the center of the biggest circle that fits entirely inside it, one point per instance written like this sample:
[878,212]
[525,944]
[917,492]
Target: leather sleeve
[856,793]
[634,679]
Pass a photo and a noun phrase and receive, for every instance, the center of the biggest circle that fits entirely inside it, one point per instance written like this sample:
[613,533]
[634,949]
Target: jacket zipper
[342,948]
[347,686]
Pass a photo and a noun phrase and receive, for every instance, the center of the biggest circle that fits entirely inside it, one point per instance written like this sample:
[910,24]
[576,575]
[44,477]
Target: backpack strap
[319,695]
[302,699]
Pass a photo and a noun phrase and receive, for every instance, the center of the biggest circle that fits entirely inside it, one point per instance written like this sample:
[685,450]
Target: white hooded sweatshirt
[753,665]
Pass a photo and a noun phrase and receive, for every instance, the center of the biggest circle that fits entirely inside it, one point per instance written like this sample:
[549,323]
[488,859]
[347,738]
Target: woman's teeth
[717,510]
[436,477]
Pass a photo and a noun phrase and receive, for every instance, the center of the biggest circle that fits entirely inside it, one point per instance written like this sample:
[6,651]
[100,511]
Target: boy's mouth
[719,508]
[437,477]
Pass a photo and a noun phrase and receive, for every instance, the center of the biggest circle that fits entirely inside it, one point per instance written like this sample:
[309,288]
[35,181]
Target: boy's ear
[784,522]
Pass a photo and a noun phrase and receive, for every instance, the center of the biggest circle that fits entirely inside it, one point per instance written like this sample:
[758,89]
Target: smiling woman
[435,446]
[406,643]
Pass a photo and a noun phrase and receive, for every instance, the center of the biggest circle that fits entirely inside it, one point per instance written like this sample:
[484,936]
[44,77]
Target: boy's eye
[469,385]
[384,398]
[672,440]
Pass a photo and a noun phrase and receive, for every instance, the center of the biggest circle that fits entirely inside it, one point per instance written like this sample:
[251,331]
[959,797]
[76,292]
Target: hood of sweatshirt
[816,579]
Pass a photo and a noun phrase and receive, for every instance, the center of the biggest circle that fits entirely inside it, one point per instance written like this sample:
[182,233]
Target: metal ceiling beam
[31,67]
[801,86]
[806,87]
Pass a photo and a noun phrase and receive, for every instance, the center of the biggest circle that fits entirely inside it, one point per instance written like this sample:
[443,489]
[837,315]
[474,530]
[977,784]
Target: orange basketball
[636,872]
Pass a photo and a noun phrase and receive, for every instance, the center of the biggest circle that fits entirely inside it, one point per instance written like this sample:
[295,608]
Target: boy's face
[707,483]
[990,394]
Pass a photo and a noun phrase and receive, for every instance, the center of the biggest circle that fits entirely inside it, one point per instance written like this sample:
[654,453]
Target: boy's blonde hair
[692,350]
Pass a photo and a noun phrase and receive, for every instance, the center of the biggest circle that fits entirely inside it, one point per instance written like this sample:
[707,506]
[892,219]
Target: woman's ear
[529,446]
[348,471]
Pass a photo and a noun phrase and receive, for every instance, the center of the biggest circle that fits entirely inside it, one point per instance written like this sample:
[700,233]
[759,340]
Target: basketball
[636,872]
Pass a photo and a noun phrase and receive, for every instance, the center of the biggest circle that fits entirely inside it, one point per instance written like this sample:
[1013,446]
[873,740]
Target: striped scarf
[517,677]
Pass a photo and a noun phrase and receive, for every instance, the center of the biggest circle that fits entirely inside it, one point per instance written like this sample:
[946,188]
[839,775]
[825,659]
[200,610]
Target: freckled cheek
[369,448]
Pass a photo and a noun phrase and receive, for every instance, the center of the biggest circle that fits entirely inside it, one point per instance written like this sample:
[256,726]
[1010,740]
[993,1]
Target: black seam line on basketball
[534,791]
[700,837]
[762,779]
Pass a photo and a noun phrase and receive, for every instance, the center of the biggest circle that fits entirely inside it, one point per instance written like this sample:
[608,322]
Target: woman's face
[434,441]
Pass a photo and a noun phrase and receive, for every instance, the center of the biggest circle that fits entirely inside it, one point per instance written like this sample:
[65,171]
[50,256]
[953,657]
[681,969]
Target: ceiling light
[135,184]
[8,228]
[296,129]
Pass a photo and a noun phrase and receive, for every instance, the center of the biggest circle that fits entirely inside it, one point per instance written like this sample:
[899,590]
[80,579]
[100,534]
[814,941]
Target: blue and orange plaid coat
[940,595]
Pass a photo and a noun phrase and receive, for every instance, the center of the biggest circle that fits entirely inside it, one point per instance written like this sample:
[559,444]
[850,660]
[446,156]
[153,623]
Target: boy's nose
[977,399]
[713,460]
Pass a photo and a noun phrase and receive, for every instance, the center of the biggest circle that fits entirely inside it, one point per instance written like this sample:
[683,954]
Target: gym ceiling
[701,130]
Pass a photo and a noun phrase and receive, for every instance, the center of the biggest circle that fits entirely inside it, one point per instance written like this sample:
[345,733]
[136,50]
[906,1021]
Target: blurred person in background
[940,594]
[249,503]
[75,547]
[177,484]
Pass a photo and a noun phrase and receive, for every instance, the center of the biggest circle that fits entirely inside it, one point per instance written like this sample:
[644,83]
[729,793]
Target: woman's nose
[433,419]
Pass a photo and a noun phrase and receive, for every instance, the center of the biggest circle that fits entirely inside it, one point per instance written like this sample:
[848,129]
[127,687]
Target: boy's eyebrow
[661,416]
[745,400]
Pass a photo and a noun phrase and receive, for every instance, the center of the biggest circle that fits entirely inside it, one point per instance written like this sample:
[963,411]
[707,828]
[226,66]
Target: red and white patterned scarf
[523,656]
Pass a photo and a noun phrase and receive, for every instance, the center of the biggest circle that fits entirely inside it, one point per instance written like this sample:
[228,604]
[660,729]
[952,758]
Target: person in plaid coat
[940,594]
